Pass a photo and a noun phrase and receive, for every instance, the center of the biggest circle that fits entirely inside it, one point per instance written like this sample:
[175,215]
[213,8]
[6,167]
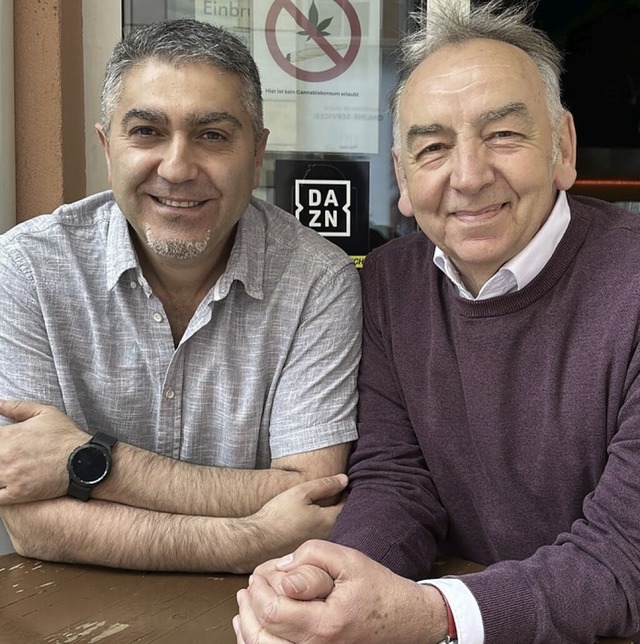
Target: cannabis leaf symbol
[314,18]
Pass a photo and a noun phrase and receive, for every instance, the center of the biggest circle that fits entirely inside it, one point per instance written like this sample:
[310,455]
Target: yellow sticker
[358,260]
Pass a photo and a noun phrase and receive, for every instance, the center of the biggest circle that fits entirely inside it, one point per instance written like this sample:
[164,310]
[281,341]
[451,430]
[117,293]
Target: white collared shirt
[512,276]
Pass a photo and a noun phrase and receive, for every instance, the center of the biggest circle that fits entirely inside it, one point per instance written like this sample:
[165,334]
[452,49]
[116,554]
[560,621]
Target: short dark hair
[179,42]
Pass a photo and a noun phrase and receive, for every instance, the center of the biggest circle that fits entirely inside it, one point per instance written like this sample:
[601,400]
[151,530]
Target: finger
[330,557]
[20,410]
[266,568]
[274,577]
[235,622]
[322,488]
[248,628]
[306,583]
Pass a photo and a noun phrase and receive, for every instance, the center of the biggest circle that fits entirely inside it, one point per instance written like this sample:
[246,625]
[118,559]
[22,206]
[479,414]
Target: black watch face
[90,464]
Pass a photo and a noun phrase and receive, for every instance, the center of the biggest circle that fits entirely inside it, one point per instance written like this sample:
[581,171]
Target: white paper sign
[320,66]
[319,62]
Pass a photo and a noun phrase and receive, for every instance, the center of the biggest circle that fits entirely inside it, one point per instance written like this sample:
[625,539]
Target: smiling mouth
[178,204]
[479,215]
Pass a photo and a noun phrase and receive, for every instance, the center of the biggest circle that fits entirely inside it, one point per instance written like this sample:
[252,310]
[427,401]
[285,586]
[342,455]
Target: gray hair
[182,42]
[454,26]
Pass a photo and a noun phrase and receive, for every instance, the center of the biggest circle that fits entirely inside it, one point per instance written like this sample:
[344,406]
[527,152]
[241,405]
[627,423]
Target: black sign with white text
[330,197]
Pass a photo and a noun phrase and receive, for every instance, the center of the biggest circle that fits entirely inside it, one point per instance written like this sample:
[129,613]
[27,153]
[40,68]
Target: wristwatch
[89,465]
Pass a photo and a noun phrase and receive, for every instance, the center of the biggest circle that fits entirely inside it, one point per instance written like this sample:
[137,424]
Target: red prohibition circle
[341,63]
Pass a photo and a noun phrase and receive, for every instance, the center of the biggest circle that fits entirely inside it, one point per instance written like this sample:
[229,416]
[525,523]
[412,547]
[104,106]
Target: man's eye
[504,134]
[214,136]
[432,148]
[143,131]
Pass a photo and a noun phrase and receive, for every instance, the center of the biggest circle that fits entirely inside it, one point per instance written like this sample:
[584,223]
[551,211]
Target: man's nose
[178,162]
[472,168]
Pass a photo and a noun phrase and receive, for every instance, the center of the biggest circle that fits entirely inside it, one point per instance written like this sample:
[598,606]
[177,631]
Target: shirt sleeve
[315,402]
[29,371]
[465,609]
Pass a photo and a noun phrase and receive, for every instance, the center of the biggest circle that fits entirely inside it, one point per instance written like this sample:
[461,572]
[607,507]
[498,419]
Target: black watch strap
[78,491]
[100,438]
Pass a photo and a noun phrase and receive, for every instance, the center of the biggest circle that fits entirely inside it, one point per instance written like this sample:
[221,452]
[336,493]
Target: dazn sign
[324,205]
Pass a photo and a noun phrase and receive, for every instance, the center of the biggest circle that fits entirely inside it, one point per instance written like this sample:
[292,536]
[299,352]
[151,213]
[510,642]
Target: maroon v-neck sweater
[507,431]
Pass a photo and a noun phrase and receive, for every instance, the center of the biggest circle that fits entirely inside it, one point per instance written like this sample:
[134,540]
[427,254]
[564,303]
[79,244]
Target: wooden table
[68,604]
[64,604]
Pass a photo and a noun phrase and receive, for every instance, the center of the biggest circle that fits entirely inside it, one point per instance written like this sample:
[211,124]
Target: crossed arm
[34,451]
[155,512]
[113,534]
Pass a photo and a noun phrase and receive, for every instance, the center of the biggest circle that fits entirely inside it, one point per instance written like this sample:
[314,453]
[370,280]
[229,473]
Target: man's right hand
[34,452]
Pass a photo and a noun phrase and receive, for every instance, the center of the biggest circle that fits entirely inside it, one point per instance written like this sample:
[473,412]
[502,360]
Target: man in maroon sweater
[499,411]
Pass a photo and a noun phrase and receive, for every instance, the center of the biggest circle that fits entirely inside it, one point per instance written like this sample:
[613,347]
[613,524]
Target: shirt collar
[247,260]
[515,274]
[121,255]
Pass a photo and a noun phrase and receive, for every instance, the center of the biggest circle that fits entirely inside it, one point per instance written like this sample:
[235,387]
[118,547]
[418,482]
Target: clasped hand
[326,593]
[34,452]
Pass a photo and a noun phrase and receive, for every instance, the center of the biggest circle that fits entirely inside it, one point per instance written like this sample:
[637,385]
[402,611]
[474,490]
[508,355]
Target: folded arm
[34,452]
[111,534]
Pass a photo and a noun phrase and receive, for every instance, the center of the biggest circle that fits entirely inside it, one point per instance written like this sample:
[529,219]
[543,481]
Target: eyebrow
[416,131]
[193,120]
[138,113]
[516,107]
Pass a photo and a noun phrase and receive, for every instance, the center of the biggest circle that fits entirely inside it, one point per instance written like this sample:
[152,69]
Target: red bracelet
[452,631]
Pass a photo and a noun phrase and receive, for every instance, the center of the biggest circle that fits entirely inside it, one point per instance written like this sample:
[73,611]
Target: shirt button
[169,393]
[157,317]
[133,284]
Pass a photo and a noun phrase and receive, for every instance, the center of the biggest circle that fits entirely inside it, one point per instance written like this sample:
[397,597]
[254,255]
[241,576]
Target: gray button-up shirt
[266,368]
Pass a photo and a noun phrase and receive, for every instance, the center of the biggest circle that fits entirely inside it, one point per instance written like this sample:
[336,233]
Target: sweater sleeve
[393,513]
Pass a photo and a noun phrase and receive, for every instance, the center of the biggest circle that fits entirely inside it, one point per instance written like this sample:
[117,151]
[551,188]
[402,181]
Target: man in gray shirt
[202,344]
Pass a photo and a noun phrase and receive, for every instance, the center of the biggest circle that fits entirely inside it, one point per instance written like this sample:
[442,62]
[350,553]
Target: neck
[182,284]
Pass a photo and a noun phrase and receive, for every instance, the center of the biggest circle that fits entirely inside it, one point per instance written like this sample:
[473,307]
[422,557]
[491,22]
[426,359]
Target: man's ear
[259,158]
[404,204]
[565,170]
[104,141]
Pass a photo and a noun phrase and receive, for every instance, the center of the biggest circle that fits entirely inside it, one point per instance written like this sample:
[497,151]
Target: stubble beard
[176,249]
